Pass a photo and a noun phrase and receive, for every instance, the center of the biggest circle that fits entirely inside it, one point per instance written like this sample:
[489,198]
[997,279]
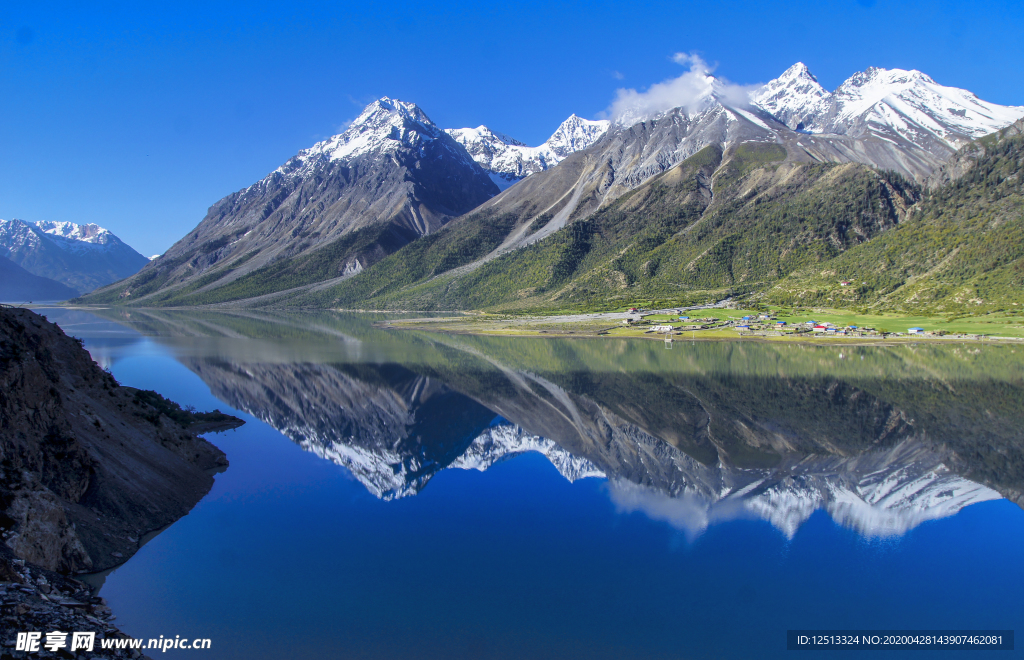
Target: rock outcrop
[87,466]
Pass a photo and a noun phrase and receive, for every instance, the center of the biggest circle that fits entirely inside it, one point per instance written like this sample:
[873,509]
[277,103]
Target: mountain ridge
[878,119]
[80,257]
[510,161]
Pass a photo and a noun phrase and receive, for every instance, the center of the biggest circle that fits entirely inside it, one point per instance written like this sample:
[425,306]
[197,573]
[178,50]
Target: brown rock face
[86,466]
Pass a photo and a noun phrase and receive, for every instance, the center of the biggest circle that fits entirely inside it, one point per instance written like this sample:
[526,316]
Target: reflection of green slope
[772,398]
[746,403]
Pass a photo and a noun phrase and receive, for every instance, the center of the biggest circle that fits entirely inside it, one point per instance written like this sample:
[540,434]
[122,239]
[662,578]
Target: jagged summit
[508,160]
[575,134]
[889,103]
[383,126]
[87,233]
[798,70]
[793,97]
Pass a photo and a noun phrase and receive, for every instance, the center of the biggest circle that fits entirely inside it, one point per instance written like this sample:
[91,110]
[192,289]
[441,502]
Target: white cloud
[693,91]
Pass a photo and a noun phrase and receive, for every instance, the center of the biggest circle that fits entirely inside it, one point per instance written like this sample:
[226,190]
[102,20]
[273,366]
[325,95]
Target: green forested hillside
[715,225]
[961,250]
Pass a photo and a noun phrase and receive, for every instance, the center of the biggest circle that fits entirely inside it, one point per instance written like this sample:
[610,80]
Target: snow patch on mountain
[508,160]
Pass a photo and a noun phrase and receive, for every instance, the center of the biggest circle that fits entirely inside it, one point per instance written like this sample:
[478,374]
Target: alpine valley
[909,189]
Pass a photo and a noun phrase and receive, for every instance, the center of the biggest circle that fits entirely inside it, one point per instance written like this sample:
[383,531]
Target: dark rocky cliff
[87,466]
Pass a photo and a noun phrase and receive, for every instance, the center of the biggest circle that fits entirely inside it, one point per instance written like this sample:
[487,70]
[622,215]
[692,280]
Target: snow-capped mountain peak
[19,234]
[793,96]
[481,135]
[575,134]
[383,126]
[88,233]
[508,160]
[888,103]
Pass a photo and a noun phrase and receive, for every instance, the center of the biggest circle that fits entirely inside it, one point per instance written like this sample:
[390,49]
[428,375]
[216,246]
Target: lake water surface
[398,494]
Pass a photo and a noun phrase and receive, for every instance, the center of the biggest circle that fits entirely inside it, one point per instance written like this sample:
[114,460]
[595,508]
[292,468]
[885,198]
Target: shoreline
[429,325]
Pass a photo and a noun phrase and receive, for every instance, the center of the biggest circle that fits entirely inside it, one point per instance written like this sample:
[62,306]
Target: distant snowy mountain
[890,120]
[886,103]
[82,257]
[508,160]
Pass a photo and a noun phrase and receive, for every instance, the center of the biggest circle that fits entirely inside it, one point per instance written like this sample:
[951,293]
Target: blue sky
[139,116]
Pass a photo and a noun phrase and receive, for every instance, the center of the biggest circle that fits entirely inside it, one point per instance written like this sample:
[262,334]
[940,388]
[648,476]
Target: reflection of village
[675,323]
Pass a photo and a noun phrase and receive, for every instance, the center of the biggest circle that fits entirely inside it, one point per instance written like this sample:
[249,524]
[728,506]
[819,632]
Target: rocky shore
[87,468]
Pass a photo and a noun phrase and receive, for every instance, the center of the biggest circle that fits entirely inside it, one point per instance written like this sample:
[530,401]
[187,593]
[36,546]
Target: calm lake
[400,494]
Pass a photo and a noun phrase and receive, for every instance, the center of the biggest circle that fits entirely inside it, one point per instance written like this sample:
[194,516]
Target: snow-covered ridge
[19,235]
[880,494]
[508,160]
[390,475]
[793,96]
[504,441]
[886,102]
[383,127]
[88,233]
[387,125]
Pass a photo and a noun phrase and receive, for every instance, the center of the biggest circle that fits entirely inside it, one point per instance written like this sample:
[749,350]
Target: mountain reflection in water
[708,432]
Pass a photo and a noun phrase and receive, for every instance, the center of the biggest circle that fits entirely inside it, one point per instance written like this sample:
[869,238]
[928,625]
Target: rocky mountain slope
[715,225]
[508,160]
[82,257]
[87,467]
[18,285]
[326,214]
[720,223]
